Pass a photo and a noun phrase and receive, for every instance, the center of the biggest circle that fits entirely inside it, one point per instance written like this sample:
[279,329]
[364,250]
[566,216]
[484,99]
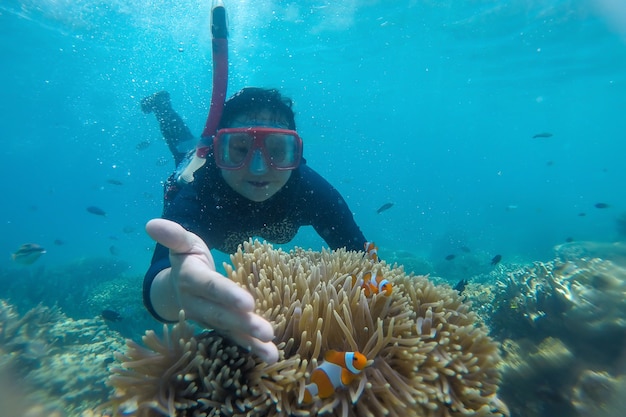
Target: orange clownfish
[371,251]
[373,284]
[337,370]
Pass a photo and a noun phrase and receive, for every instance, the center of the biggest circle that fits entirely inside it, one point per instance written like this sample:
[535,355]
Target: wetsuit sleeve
[330,215]
[160,261]
[182,209]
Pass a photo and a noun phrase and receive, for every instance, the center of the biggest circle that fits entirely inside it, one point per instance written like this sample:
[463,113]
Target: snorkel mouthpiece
[195,164]
[219,32]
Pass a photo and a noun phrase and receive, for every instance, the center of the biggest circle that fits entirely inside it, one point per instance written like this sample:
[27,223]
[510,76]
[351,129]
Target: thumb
[178,240]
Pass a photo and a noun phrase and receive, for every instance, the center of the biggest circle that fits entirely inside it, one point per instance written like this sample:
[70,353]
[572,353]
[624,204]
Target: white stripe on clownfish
[384,286]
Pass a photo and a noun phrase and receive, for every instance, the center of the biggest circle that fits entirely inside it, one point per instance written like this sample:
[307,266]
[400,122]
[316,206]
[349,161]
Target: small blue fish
[460,286]
[96,210]
[384,207]
[543,135]
[111,315]
[143,145]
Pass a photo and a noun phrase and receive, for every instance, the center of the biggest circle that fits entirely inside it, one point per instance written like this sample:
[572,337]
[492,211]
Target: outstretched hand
[207,297]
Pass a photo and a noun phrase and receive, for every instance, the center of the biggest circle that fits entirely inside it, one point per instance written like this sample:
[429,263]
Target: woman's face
[257,181]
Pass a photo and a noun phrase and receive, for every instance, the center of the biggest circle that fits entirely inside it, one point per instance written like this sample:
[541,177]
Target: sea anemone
[426,354]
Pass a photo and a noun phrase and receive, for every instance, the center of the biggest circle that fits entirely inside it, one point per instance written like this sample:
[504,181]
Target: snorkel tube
[219,33]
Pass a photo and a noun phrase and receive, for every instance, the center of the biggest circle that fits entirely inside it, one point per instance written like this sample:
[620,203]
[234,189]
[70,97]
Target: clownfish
[336,371]
[373,284]
[371,251]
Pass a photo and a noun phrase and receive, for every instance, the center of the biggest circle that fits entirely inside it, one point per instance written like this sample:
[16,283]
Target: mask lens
[233,148]
[281,149]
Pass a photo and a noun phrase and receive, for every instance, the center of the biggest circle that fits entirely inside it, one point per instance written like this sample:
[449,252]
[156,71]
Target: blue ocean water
[430,105]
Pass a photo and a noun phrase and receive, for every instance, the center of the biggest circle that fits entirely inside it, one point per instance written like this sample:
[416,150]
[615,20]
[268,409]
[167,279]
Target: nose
[257,164]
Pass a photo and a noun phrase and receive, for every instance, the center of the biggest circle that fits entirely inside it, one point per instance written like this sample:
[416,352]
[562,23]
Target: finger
[173,236]
[178,240]
[212,287]
[266,351]
[225,318]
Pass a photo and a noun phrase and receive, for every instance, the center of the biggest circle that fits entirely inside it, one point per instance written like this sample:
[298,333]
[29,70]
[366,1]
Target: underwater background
[494,128]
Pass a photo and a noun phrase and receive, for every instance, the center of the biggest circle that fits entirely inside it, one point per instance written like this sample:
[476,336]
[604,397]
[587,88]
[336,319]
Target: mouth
[259,184]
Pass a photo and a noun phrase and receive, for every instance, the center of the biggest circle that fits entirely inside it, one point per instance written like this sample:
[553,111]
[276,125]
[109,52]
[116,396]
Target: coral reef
[599,394]
[26,340]
[563,328]
[61,362]
[609,251]
[547,379]
[120,295]
[65,286]
[537,377]
[580,300]
[427,355]
[111,286]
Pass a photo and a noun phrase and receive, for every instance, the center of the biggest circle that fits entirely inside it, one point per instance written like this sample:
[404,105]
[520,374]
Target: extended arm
[330,215]
[192,284]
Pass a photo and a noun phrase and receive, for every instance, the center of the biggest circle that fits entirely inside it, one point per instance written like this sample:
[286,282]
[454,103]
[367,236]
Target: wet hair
[252,100]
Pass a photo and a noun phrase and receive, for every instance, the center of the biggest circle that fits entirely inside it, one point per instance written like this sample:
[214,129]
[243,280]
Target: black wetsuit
[224,219]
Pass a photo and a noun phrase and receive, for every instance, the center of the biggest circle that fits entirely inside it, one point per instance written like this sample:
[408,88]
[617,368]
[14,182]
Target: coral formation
[62,362]
[561,324]
[581,299]
[69,281]
[537,377]
[427,356]
[599,394]
[609,251]
[26,340]
[546,379]
[563,330]
[111,286]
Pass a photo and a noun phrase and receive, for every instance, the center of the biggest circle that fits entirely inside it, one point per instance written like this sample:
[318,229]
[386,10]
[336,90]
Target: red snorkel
[219,32]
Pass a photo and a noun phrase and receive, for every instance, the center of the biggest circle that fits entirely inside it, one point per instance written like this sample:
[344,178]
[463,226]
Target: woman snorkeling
[255,182]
